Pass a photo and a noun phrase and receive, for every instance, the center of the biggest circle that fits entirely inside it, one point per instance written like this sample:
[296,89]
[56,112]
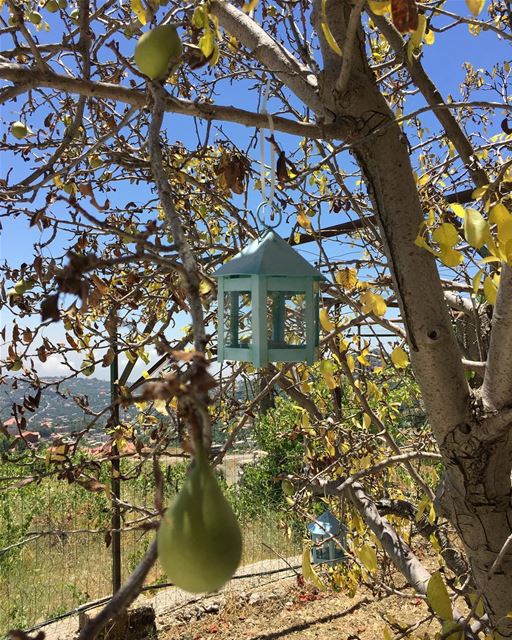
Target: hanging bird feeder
[268,304]
[329,536]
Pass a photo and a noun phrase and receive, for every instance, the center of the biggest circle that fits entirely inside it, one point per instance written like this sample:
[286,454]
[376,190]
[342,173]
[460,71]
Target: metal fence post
[115,468]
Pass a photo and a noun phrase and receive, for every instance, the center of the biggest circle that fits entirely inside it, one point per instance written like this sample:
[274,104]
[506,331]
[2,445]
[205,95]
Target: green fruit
[20,130]
[52,6]
[74,16]
[35,17]
[156,49]
[199,540]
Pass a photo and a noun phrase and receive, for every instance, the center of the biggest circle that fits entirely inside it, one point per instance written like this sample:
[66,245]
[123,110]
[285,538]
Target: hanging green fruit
[156,49]
[20,130]
[199,540]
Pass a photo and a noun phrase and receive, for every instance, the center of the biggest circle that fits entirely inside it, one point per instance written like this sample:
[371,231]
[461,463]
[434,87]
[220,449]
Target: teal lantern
[268,305]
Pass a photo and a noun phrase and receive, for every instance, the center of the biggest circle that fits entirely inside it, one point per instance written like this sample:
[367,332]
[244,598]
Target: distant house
[25,437]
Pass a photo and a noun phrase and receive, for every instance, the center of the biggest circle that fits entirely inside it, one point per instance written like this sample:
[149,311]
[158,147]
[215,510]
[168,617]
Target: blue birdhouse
[268,305]
[329,538]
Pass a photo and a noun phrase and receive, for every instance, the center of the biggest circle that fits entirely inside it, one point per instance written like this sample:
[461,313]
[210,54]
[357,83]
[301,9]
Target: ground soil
[289,610]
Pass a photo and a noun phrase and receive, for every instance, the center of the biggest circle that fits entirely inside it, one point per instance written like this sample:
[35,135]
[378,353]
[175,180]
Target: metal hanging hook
[276,217]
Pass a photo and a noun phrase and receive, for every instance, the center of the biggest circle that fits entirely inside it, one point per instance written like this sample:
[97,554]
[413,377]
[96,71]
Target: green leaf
[438,598]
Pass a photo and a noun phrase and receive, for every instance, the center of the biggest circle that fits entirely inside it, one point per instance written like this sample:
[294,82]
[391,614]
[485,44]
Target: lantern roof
[269,255]
[326,524]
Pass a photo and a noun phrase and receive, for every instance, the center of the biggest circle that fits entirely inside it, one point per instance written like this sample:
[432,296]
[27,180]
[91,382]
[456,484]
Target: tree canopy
[124,193]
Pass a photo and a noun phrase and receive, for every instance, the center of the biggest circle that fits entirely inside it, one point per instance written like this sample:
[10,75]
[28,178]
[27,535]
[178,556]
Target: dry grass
[295,613]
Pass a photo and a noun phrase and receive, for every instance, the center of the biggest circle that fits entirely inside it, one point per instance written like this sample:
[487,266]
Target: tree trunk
[477,492]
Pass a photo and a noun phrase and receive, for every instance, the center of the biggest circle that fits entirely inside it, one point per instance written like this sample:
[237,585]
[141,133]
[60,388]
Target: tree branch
[348,46]
[434,99]
[122,598]
[296,76]
[31,78]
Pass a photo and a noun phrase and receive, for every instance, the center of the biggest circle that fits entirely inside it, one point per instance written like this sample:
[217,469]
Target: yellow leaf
[200,17]
[327,370]
[363,359]
[477,278]
[421,242]
[505,230]
[479,610]
[308,572]
[450,257]
[325,321]
[490,290]
[304,221]
[368,557]
[458,210]
[387,634]
[380,7]
[418,35]
[430,39]
[215,55]
[160,407]
[351,363]
[327,32]
[476,229]
[205,287]
[139,10]
[207,43]
[57,181]
[499,214]
[347,278]
[475,6]
[250,6]
[446,234]
[399,358]
[438,598]
[479,192]
[366,420]
[373,303]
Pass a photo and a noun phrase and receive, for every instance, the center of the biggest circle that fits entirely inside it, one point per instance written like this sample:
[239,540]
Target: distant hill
[58,412]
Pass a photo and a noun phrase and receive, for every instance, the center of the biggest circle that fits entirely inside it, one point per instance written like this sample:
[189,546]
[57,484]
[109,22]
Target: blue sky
[443,61]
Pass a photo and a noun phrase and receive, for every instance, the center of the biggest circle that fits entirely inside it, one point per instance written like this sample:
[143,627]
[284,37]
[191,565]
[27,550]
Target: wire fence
[56,551]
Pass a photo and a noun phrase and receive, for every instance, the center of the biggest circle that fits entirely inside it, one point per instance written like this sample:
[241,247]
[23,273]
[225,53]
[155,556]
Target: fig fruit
[156,49]
[20,130]
[199,540]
